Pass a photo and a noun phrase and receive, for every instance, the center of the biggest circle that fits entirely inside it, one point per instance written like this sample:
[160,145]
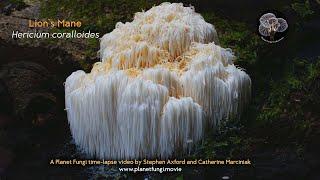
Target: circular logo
[272,28]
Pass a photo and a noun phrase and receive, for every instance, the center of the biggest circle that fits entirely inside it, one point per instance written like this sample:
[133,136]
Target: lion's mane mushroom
[161,81]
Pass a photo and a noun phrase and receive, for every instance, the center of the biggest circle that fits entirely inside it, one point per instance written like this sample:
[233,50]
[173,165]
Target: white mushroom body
[161,82]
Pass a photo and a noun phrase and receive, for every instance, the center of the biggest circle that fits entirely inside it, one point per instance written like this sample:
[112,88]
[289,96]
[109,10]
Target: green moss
[180,177]
[303,9]
[291,98]
[229,142]
[92,47]
[85,65]
[99,16]
[19,3]
[238,36]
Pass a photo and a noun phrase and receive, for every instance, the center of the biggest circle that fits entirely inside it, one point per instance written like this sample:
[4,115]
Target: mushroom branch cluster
[162,81]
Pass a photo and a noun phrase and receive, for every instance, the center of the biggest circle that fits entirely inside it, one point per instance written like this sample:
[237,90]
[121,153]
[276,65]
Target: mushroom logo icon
[270,25]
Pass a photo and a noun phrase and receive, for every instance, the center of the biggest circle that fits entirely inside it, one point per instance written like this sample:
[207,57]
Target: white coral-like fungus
[161,82]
